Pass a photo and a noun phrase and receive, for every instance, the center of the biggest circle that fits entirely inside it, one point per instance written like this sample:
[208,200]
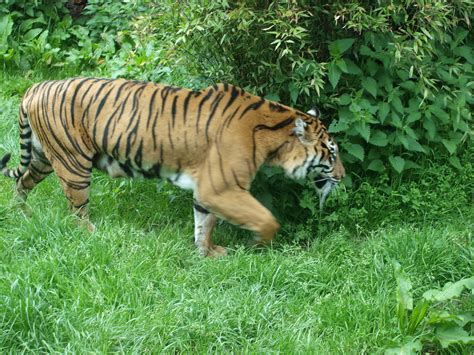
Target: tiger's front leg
[204,222]
[239,207]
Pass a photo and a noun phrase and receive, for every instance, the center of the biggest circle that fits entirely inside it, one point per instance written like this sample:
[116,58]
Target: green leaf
[440,113]
[397,104]
[379,139]
[404,287]
[372,67]
[356,150]
[272,97]
[414,146]
[341,64]
[376,165]
[397,162]
[345,99]
[453,334]
[413,117]
[336,48]
[404,296]
[32,33]
[384,109]
[334,74]
[409,85]
[450,290]
[364,50]
[370,85]
[454,161]
[450,145]
[410,348]
[409,164]
[364,130]
[338,126]
[307,201]
[352,68]
[444,317]
[6,26]
[294,92]
[430,127]
[466,52]
[395,120]
[417,316]
[410,132]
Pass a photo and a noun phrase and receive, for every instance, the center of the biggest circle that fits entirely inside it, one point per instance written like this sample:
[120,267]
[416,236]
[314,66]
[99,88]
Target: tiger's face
[315,156]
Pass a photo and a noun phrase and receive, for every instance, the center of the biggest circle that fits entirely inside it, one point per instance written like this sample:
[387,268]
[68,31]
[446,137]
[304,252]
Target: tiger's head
[313,154]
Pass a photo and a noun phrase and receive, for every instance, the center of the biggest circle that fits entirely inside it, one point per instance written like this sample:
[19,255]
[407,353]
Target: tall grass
[138,285]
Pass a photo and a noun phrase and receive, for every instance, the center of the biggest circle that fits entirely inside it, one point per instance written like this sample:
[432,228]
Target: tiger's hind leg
[204,223]
[38,169]
[75,176]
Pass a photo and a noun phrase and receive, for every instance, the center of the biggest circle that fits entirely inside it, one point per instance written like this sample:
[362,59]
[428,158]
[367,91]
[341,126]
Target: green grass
[138,285]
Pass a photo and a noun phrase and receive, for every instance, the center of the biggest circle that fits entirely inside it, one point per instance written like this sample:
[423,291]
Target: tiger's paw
[259,242]
[214,251]
[86,224]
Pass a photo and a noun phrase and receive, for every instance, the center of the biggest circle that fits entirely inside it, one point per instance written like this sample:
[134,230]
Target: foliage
[398,77]
[425,325]
[395,76]
[33,31]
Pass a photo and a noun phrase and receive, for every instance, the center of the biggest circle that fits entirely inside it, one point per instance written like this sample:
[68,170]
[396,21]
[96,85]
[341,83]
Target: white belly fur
[113,168]
[182,180]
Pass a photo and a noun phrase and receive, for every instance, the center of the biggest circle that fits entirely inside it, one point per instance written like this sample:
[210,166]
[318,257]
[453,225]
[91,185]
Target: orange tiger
[211,141]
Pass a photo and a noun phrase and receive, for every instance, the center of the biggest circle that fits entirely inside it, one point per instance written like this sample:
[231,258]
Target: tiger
[211,141]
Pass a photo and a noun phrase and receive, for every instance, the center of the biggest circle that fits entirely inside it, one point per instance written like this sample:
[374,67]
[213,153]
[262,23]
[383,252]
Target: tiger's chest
[116,169]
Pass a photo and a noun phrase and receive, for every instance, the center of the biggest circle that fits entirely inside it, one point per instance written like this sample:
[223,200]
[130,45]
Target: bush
[395,76]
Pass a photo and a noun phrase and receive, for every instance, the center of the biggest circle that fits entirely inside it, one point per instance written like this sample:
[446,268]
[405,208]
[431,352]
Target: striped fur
[212,141]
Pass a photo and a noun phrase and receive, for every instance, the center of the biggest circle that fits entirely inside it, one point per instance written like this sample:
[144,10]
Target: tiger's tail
[25,149]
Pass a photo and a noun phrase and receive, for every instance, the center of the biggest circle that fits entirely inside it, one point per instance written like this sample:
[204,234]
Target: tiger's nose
[339,171]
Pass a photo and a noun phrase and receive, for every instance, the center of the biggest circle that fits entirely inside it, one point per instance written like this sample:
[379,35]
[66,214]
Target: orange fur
[216,137]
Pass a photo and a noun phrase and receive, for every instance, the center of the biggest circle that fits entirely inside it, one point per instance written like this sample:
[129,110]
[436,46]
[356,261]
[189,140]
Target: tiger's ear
[301,131]
[315,112]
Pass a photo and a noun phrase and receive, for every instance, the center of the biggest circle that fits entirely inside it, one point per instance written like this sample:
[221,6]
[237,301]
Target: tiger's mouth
[324,185]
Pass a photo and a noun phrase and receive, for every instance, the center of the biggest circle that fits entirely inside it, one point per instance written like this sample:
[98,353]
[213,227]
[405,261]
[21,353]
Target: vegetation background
[394,81]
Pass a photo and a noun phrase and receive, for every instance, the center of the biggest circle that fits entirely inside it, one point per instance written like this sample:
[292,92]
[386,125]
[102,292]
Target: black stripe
[102,102]
[279,125]
[254,106]
[276,107]
[26,146]
[150,108]
[237,180]
[73,99]
[173,110]
[185,106]
[169,136]
[273,153]
[233,95]
[139,155]
[201,103]
[115,149]
[119,91]
[82,204]
[214,106]
[164,96]
[200,209]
